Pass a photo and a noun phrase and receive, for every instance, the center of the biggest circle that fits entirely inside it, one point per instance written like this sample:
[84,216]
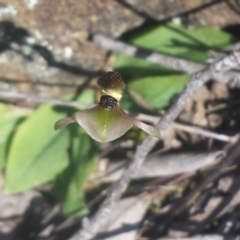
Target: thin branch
[205,133]
[35,99]
[232,78]
[117,189]
[191,129]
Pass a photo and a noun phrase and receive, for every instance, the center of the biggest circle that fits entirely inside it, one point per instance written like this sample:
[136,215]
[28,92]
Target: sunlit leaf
[157,84]
[179,41]
[158,91]
[37,153]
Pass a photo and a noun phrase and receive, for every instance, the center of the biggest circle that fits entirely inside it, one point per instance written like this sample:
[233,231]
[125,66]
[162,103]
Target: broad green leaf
[182,42]
[9,118]
[83,159]
[37,153]
[158,91]
[158,84]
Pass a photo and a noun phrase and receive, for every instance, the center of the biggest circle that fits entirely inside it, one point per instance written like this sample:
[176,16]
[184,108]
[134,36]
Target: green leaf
[83,159]
[87,96]
[157,84]
[37,153]
[9,118]
[158,91]
[180,41]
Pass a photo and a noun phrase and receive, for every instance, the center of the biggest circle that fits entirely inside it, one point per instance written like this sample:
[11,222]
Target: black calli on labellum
[107,121]
[108,102]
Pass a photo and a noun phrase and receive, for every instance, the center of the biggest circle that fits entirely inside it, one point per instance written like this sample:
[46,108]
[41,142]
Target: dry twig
[191,129]
[35,99]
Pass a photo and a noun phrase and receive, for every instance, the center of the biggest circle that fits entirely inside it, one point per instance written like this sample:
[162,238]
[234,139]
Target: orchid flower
[107,121]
